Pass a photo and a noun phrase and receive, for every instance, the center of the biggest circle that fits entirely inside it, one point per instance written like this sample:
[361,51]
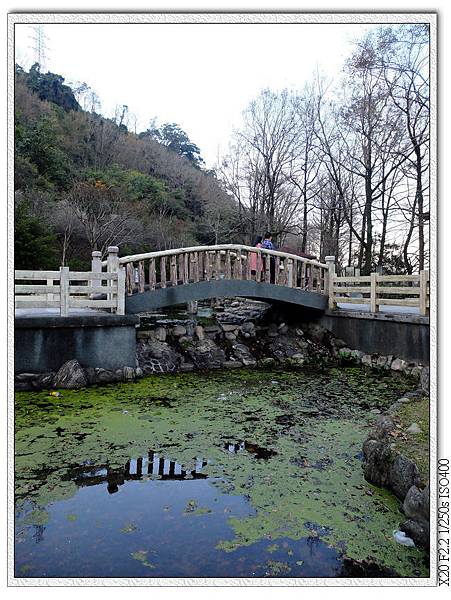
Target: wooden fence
[410,291]
[66,289]
[228,261]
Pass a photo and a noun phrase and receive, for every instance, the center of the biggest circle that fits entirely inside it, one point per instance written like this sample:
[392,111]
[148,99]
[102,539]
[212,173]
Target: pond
[250,473]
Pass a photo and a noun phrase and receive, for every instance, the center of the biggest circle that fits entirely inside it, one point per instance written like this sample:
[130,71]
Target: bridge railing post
[374,307]
[423,299]
[64,291]
[121,291]
[112,267]
[96,267]
[329,283]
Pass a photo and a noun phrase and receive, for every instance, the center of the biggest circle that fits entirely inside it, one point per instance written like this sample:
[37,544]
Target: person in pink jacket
[254,259]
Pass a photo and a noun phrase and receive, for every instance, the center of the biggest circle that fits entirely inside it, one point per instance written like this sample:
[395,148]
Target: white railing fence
[168,268]
[65,289]
[410,291]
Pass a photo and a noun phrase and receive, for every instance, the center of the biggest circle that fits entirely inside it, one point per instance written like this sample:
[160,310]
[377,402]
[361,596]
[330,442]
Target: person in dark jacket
[268,245]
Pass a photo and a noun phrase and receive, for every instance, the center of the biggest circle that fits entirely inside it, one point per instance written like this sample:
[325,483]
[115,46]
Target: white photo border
[196,17]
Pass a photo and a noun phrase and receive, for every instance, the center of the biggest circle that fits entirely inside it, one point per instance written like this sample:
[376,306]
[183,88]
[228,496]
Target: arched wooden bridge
[170,277]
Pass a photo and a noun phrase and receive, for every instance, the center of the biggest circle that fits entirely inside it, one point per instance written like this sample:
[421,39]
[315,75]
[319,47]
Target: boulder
[414,428]
[416,503]
[418,531]
[128,373]
[205,354]
[367,360]
[144,335]
[318,333]
[424,379]
[416,508]
[283,329]
[178,331]
[381,362]
[26,377]
[416,371]
[91,375]
[157,357]
[232,364]
[212,329]
[338,343]
[186,367]
[399,365]
[267,362]
[199,332]
[229,335]
[229,327]
[242,354]
[378,458]
[403,475]
[70,376]
[248,328]
[405,400]
[45,381]
[160,334]
[106,376]
[273,331]
[383,427]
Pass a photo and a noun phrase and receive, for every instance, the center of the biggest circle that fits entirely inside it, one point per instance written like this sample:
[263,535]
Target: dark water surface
[242,474]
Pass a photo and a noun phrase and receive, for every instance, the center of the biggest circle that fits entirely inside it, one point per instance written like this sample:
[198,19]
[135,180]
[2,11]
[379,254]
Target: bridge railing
[65,289]
[182,266]
[408,291]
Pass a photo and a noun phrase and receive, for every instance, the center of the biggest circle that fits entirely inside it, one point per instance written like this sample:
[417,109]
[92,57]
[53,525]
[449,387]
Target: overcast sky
[199,76]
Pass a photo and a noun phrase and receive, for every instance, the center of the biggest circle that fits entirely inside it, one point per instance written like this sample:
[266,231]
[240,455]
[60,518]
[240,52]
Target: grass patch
[415,445]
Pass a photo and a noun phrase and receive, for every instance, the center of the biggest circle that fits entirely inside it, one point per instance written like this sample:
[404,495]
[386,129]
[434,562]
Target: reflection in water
[257,451]
[153,464]
[282,495]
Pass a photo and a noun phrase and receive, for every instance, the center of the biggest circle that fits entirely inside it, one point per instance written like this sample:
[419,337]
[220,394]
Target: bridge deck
[224,288]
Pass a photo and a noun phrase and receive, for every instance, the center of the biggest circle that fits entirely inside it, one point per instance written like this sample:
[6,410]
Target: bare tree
[104,216]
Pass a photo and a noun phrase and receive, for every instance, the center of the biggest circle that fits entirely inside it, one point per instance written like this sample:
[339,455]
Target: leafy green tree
[40,145]
[34,242]
[50,87]
[173,137]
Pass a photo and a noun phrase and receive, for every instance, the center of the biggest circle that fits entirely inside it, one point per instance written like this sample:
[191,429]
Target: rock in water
[378,460]
[70,376]
[403,475]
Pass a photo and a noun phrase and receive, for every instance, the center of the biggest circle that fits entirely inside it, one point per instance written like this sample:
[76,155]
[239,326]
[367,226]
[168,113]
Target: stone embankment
[239,334]
[385,466]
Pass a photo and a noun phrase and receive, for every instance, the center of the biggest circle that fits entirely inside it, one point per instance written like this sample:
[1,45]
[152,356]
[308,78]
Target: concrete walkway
[73,312]
[386,308]
[55,312]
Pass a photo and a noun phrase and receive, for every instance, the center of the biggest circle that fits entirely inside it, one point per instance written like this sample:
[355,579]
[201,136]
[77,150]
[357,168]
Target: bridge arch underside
[224,288]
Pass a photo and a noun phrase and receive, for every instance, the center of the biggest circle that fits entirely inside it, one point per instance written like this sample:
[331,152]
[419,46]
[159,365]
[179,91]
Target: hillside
[84,182]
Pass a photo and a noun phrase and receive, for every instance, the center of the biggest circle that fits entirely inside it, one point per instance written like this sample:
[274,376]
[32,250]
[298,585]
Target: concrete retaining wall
[45,343]
[405,336]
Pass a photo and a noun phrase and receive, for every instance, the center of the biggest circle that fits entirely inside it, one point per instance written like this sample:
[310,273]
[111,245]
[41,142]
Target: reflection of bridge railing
[168,268]
[152,465]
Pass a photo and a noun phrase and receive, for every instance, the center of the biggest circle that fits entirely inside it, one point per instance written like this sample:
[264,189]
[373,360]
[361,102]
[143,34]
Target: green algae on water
[287,441]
